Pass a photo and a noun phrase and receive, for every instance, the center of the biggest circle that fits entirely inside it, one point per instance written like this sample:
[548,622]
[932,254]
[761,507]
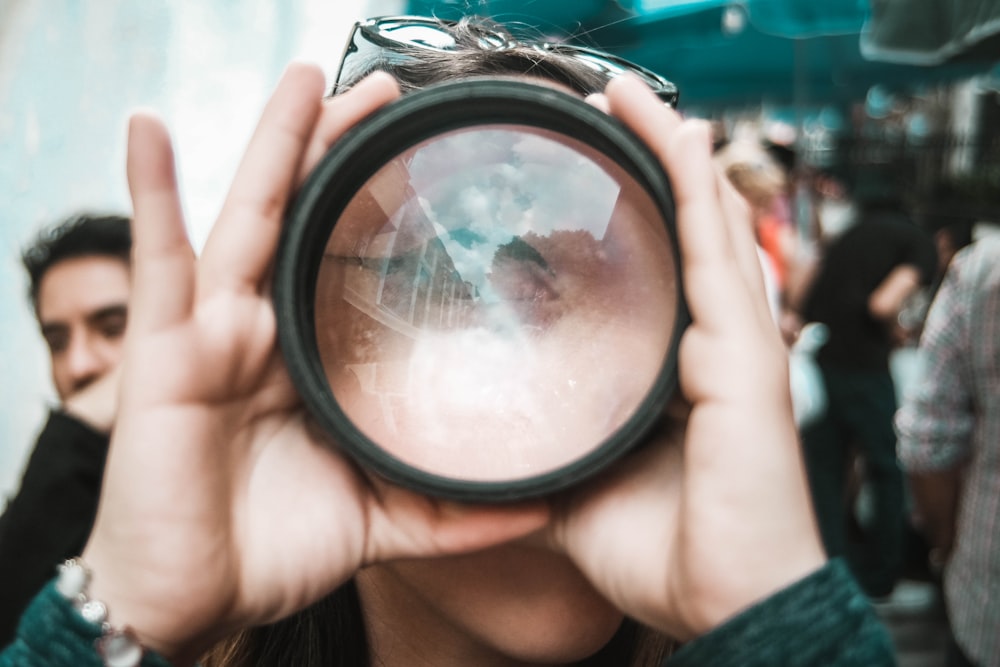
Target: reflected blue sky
[70,73]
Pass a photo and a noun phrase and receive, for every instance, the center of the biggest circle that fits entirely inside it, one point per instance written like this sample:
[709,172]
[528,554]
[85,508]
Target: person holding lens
[232,531]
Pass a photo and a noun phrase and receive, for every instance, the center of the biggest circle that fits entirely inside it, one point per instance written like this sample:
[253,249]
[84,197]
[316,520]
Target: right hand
[713,514]
[222,508]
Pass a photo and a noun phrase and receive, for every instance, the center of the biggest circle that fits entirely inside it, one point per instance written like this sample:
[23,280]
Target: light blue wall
[70,72]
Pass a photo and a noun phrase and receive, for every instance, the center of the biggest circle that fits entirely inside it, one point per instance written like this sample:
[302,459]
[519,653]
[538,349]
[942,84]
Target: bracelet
[118,647]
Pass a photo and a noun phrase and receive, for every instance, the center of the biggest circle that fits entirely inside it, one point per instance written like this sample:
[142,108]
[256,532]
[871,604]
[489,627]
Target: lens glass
[495,303]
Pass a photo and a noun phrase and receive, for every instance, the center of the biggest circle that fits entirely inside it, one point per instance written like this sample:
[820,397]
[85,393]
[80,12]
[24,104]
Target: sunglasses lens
[426,35]
[415,32]
[397,35]
[610,66]
[602,65]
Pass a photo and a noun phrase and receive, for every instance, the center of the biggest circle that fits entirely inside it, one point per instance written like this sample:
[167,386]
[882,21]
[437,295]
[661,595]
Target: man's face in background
[82,311]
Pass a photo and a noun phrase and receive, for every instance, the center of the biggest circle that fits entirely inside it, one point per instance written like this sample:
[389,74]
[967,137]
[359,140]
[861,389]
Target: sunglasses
[392,39]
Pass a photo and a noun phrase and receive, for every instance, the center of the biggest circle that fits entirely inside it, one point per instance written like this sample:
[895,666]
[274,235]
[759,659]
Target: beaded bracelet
[118,647]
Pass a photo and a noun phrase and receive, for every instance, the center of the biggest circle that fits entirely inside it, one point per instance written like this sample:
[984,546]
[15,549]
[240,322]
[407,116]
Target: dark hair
[81,235]
[331,633]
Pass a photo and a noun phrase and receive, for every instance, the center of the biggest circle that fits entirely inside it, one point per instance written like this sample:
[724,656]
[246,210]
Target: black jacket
[51,516]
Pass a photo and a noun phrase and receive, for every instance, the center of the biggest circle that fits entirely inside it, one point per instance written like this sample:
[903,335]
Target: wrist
[117,646]
[152,625]
[731,597]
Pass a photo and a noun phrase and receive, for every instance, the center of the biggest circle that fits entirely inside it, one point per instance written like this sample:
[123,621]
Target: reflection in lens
[495,303]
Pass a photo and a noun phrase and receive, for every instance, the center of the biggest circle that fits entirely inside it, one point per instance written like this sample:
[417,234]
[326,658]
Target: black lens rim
[352,161]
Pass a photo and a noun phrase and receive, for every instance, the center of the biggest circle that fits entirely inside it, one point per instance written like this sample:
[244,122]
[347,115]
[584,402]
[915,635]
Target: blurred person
[946,213]
[79,286]
[949,444]
[950,235]
[229,525]
[763,183]
[864,278]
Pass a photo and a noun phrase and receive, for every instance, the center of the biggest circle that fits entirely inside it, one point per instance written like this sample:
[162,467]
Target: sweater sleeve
[53,634]
[824,620]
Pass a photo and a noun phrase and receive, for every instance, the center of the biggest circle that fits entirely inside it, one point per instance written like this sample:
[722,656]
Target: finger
[713,281]
[163,266]
[464,528]
[343,112]
[748,254]
[407,525]
[685,150]
[240,248]
[632,102]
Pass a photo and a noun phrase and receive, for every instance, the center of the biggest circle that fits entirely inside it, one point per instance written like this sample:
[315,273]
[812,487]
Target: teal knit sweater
[821,621]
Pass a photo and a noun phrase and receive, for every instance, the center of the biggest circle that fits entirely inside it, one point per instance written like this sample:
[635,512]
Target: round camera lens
[478,291]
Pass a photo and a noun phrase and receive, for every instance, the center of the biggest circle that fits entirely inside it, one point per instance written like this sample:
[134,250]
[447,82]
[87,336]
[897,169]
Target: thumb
[407,525]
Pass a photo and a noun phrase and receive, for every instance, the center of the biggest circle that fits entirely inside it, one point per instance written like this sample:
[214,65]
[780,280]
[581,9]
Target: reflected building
[412,284]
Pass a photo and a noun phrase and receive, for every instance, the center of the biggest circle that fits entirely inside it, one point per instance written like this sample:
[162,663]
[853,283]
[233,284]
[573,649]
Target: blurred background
[900,96]
[811,80]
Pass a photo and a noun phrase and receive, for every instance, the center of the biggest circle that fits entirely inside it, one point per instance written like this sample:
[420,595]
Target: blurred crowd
[892,317]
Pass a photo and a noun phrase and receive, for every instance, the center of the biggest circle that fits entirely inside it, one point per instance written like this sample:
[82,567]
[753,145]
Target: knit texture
[824,620]
[54,634]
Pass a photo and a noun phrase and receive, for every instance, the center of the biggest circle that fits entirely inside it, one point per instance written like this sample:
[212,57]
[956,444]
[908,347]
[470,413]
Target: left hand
[715,514]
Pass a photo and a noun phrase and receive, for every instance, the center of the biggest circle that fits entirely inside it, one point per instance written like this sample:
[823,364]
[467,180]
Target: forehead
[80,285]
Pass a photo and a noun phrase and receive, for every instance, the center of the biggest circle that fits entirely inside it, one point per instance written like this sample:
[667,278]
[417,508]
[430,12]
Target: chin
[520,602]
[577,643]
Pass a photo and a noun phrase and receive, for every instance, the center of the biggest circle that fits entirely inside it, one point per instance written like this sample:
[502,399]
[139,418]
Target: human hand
[713,515]
[96,404]
[222,507]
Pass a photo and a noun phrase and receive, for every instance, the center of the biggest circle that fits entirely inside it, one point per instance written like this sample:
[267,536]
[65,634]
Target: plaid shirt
[952,419]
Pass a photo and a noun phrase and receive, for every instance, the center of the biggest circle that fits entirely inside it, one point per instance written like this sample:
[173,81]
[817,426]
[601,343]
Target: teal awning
[932,32]
[725,52]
